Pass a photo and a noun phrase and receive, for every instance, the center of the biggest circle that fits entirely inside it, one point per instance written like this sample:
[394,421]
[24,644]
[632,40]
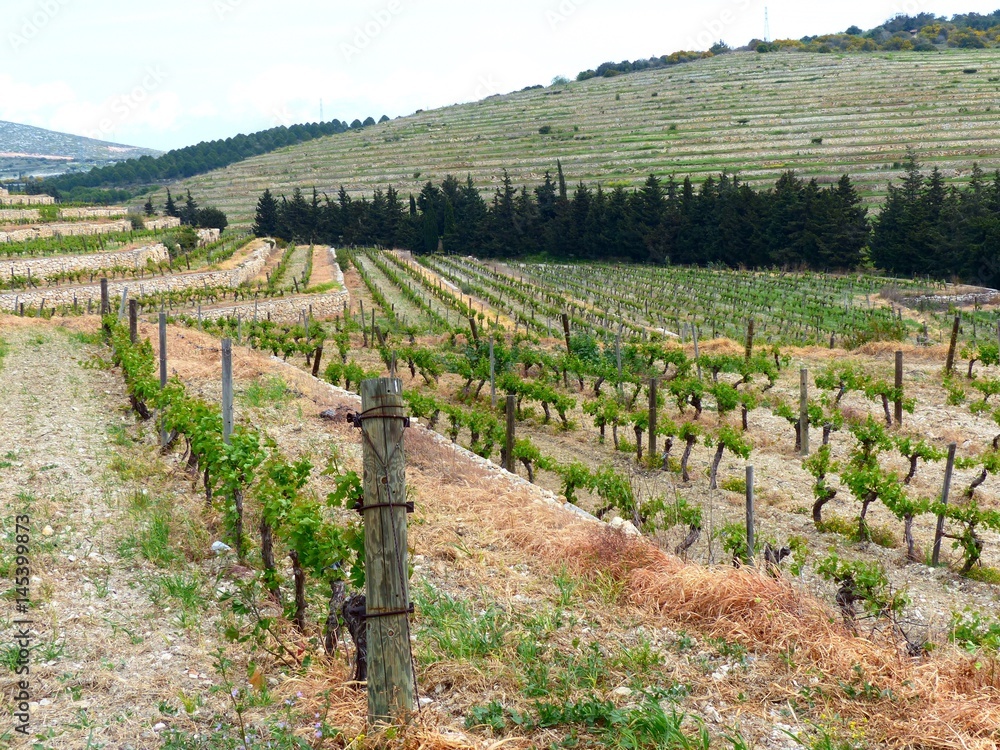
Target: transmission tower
[767,27]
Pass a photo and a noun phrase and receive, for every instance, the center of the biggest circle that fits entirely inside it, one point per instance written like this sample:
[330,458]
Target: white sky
[169,74]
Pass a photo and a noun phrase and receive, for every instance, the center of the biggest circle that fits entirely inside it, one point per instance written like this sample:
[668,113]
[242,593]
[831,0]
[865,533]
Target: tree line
[922,32]
[190,160]
[924,228]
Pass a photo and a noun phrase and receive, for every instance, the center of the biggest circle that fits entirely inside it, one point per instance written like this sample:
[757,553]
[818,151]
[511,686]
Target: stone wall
[289,309]
[208,236]
[6,199]
[19,214]
[42,231]
[41,268]
[285,309]
[56,296]
[161,222]
[108,212]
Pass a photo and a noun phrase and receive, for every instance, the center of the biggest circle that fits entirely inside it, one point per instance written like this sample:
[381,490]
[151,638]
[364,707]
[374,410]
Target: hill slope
[28,150]
[759,114]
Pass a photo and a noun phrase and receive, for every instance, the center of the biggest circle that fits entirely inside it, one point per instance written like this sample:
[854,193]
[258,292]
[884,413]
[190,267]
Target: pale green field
[755,114]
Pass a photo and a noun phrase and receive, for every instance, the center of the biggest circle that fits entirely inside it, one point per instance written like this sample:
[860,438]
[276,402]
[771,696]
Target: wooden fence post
[950,362]
[804,410]
[133,320]
[316,358]
[565,322]
[508,449]
[899,390]
[105,303]
[939,532]
[652,418]
[748,353]
[163,365]
[750,520]
[390,667]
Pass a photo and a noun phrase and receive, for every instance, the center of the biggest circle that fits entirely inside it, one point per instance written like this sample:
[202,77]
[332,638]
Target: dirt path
[324,268]
[110,645]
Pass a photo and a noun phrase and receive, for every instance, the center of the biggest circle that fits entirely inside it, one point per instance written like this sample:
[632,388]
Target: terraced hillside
[759,114]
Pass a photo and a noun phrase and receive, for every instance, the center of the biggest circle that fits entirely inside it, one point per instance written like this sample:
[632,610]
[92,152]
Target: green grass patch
[267,391]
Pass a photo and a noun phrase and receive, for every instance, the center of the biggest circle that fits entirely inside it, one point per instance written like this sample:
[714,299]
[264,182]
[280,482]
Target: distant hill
[821,115]
[31,151]
[203,157]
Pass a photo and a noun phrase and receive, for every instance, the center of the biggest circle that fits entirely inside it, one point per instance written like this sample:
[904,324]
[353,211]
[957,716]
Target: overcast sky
[166,75]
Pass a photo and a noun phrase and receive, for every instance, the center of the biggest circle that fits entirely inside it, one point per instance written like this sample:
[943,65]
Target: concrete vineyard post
[133,320]
[121,307]
[750,520]
[390,667]
[950,362]
[804,410]
[508,450]
[493,380]
[618,360]
[697,357]
[899,390]
[162,321]
[652,418]
[227,389]
[945,491]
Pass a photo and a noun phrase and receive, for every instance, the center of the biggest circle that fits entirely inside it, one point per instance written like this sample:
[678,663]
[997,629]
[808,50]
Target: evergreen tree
[170,208]
[266,216]
[148,208]
[189,214]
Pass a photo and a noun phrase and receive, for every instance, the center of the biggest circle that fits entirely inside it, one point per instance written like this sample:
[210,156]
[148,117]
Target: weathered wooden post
[652,418]
[565,322]
[750,520]
[390,666]
[950,362]
[105,303]
[508,445]
[804,410]
[748,353]
[317,356]
[133,320]
[899,390]
[163,365]
[945,491]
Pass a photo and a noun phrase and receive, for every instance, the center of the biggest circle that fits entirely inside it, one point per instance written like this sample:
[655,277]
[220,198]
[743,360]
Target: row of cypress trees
[923,229]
